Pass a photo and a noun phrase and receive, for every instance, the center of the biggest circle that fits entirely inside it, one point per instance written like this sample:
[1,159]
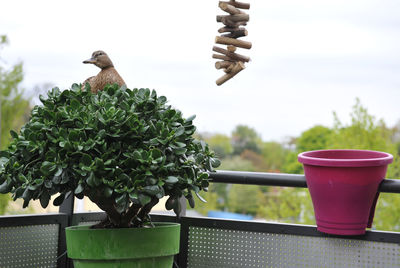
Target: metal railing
[208,226]
[282,179]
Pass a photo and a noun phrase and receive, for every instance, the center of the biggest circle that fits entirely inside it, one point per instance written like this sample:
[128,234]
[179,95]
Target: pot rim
[84,243]
[345,158]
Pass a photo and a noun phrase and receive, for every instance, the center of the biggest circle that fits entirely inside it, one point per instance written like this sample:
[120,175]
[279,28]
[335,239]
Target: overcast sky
[309,58]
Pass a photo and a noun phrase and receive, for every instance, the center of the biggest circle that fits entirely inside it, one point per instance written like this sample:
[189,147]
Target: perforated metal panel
[29,246]
[88,222]
[211,247]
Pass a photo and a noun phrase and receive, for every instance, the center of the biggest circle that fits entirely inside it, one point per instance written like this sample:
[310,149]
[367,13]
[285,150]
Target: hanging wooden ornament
[231,62]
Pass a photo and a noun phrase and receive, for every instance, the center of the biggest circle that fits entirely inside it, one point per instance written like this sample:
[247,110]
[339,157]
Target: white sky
[309,58]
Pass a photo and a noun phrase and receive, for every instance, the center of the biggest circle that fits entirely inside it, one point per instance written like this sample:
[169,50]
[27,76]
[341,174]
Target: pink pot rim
[345,158]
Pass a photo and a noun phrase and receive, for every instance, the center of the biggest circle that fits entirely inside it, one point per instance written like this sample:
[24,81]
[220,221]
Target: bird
[107,75]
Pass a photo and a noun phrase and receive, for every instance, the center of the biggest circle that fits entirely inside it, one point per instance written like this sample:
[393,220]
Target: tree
[235,163]
[13,107]
[12,102]
[244,199]
[256,159]
[315,138]
[244,137]
[274,155]
[291,164]
[221,145]
[287,205]
[365,132]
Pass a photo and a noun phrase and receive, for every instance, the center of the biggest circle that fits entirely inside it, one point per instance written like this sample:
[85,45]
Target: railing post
[62,260]
[183,202]
[67,207]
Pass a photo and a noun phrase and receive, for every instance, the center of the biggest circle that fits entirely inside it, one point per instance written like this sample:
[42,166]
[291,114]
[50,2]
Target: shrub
[124,149]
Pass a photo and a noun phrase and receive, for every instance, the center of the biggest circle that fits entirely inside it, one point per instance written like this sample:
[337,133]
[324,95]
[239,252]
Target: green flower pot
[125,247]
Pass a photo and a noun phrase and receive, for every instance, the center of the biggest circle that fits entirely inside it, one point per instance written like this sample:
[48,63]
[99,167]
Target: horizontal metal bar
[390,186]
[33,219]
[259,178]
[282,179]
[284,228]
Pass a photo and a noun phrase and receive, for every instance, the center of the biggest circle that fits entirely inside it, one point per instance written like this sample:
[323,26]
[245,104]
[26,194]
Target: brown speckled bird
[107,75]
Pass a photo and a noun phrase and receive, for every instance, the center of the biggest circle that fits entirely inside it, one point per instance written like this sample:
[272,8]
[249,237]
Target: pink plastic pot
[344,187]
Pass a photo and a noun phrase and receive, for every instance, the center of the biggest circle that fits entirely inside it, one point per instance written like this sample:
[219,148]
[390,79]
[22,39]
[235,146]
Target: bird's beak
[91,60]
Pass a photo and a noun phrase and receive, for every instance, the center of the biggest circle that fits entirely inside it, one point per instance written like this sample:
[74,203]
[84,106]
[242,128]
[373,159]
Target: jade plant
[122,148]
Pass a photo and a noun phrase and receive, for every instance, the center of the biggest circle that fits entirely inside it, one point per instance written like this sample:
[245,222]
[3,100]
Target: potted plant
[124,149]
[343,185]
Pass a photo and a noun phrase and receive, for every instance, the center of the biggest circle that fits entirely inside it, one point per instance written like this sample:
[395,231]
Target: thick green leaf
[215,162]
[48,168]
[75,104]
[22,178]
[171,179]
[152,190]
[33,187]
[180,151]
[59,171]
[18,193]
[190,118]
[137,155]
[86,160]
[59,200]
[92,181]
[179,131]
[205,183]
[170,165]
[14,134]
[27,194]
[56,180]
[203,176]
[177,207]
[123,177]
[73,136]
[162,100]
[48,184]
[122,199]
[79,189]
[190,200]
[144,199]
[4,188]
[39,181]
[201,198]
[75,87]
[151,180]
[180,144]
[170,204]
[108,191]
[44,199]
[26,203]
[156,153]
[133,196]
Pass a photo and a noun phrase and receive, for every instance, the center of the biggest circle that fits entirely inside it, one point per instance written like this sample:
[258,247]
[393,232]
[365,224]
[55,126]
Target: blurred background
[324,74]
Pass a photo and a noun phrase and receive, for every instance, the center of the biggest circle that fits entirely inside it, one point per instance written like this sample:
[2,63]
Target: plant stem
[127,218]
[144,212]
[106,205]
